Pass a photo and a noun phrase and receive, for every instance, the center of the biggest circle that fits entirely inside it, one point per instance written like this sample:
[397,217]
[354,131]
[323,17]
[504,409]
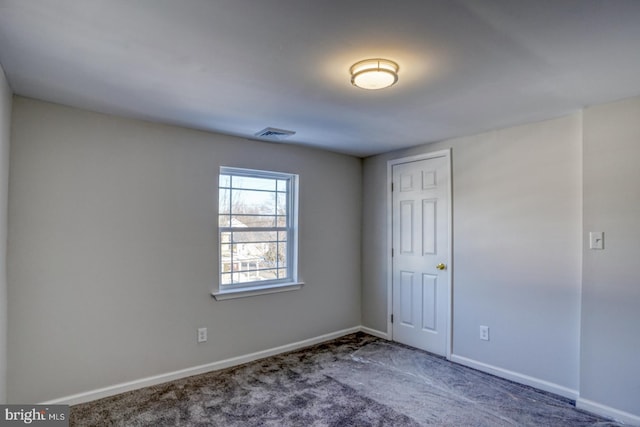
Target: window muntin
[256,222]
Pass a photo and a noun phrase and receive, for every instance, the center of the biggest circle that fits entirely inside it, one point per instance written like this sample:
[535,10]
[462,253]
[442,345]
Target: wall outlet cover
[484,333]
[202,334]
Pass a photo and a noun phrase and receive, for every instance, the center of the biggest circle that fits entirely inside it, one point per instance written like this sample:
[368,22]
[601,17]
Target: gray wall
[516,247]
[112,250]
[610,372]
[5,133]
[559,312]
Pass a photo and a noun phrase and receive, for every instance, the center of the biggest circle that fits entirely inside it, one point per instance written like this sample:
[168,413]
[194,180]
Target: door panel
[406,227]
[429,227]
[406,298]
[420,237]
[429,298]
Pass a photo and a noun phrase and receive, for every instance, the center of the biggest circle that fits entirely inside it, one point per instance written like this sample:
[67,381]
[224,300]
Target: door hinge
[392,187]
[392,252]
[392,318]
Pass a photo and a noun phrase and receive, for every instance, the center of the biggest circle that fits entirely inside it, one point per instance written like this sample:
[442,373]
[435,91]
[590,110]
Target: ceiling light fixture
[374,73]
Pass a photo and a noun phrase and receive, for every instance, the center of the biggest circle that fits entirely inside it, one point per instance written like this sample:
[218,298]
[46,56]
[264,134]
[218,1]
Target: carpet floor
[357,380]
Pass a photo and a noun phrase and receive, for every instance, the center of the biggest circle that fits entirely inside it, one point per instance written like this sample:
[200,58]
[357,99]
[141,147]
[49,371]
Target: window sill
[256,290]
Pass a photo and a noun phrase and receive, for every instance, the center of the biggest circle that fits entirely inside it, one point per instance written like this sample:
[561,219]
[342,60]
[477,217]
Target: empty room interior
[190,188]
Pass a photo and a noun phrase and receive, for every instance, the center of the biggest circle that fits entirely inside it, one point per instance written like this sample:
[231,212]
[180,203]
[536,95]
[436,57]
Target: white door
[420,254]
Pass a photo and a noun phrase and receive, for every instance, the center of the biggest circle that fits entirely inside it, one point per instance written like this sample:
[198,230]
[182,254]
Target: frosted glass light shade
[374,74]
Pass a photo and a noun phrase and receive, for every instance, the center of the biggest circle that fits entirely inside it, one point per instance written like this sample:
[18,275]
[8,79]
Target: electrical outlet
[484,333]
[202,334]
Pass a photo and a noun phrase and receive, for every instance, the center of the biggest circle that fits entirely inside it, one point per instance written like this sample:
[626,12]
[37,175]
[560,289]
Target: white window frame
[291,282]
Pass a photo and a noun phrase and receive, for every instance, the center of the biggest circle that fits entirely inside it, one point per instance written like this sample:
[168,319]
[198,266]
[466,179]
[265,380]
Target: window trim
[222,295]
[240,290]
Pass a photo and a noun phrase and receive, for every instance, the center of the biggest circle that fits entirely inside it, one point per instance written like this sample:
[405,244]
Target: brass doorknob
[441,266]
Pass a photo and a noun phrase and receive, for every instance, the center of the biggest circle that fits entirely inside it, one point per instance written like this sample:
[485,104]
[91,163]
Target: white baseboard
[517,377]
[607,411]
[584,404]
[100,393]
[375,332]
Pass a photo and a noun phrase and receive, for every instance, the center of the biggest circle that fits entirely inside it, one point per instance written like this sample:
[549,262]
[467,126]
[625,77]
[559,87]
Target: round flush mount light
[374,74]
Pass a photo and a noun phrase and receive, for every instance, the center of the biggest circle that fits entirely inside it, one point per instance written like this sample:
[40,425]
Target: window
[257,230]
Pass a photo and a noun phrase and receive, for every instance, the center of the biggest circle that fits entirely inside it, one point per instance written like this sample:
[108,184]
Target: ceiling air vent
[274,134]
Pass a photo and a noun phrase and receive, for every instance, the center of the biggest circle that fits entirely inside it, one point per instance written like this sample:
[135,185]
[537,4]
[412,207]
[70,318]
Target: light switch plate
[596,240]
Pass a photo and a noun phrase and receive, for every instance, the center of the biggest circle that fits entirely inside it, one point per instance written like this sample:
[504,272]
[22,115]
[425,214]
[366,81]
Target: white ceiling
[238,66]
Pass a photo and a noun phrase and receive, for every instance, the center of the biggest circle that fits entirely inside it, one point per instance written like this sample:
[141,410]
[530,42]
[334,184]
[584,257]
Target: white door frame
[441,153]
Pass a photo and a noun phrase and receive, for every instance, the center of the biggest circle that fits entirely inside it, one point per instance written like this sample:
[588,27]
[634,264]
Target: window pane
[282,255]
[225,237]
[224,221]
[281,204]
[254,236]
[246,264]
[252,183]
[282,273]
[254,221]
[244,276]
[224,181]
[248,276]
[253,202]
[224,202]
[281,221]
[271,256]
